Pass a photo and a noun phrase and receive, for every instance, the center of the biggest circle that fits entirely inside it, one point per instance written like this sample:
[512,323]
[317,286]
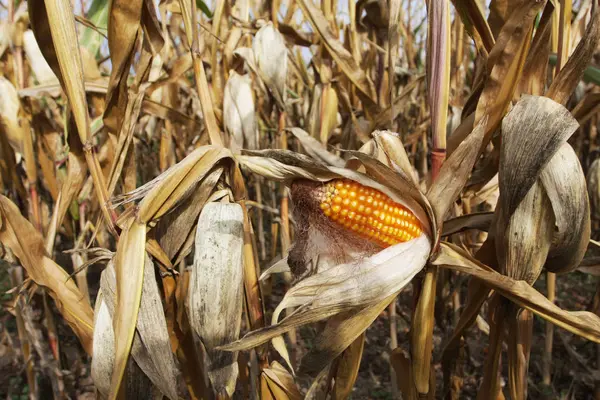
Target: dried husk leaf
[481,221]
[582,323]
[362,284]
[548,126]
[25,242]
[174,228]
[404,377]
[170,188]
[473,17]
[270,57]
[103,357]
[524,238]
[138,384]
[214,302]
[565,185]
[328,108]
[123,25]
[238,112]
[593,185]
[519,347]
[392,148]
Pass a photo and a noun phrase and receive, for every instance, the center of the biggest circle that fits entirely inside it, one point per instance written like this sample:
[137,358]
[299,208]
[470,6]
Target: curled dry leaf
[214,301]
[25,242]
[238,112]
[582,323]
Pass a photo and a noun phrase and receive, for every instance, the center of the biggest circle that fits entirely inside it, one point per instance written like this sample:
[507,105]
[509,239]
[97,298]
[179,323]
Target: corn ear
[214,303]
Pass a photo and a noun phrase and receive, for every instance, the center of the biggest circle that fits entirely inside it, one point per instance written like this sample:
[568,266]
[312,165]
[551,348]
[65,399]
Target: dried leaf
[25,242]
[582,323]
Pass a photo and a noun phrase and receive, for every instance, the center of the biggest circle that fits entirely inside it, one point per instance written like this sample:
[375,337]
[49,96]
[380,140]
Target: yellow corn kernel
[368,212]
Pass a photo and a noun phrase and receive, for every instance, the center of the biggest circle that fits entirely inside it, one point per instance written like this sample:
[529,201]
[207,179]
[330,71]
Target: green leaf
[204,8]
[97,14]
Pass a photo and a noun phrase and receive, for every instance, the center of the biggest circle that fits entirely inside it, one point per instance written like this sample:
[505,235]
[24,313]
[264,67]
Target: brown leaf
[26,243]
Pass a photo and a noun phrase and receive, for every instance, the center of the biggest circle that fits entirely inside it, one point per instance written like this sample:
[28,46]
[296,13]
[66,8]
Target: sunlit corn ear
[151,349]
[214,302]
[358,243]
[542,191]
[270,56]
[9,114]
[238,112]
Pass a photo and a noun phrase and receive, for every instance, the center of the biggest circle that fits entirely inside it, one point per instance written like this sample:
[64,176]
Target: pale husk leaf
[522,156]
[524,238]
[565,185]
[9,115]
[278,378]
[351,286]
[214,302]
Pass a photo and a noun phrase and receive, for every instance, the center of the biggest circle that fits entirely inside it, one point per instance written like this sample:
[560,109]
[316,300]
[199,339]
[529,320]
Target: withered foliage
[185,185]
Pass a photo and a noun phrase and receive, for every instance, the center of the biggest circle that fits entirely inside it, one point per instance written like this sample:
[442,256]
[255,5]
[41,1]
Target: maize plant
[295,199]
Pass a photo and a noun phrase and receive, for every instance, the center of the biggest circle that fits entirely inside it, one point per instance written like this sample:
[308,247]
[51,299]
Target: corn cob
[368,212]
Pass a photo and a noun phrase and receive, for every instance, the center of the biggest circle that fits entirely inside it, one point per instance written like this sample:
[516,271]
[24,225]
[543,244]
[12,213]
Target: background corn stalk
[136,228]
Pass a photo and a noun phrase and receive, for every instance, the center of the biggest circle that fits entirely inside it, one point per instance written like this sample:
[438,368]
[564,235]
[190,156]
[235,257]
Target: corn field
[287,199]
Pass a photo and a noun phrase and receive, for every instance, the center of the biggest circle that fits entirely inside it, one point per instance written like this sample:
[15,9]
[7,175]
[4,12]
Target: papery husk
[556,168]
[358,285]
[238,112]
[214,302]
